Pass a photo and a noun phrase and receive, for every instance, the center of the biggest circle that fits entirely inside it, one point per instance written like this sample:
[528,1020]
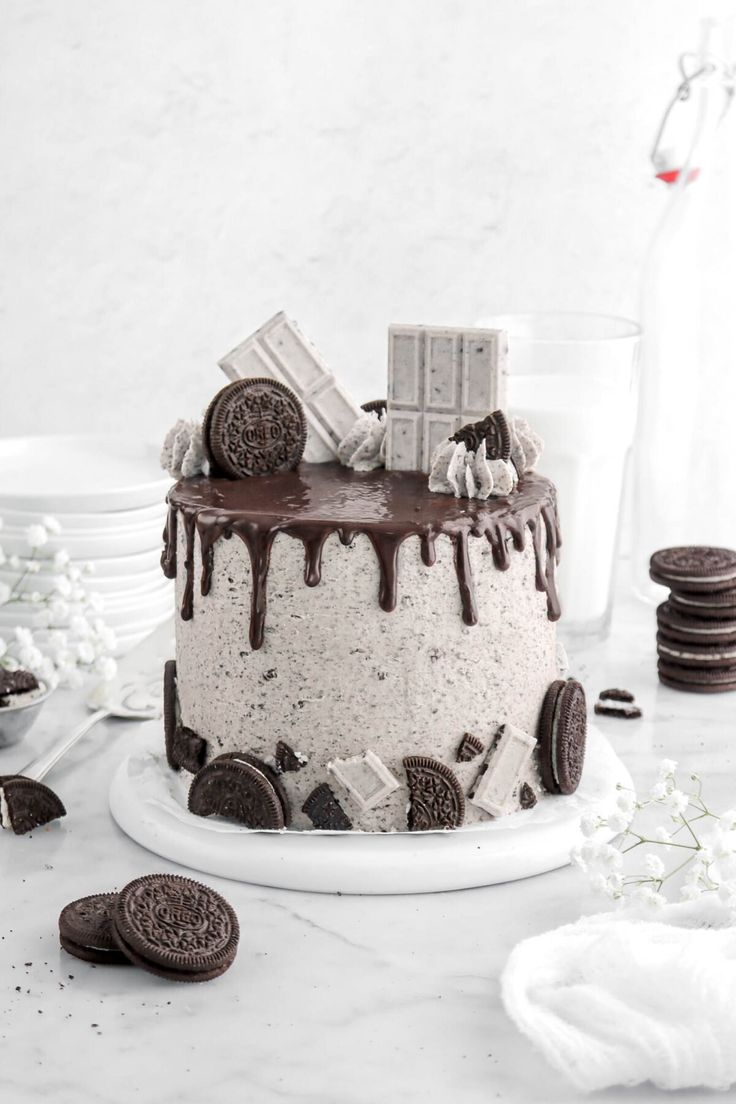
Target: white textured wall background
[175,171]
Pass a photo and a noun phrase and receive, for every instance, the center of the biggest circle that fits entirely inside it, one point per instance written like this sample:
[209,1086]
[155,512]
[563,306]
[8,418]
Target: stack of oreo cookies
[696,637]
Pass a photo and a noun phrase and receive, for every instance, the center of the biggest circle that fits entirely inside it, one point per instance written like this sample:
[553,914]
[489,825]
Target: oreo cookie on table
[695,630]
[175,928]
[85,930]
[694,568]
[703,656]
[254,427]
[697,680]
[561,736]
[711,607]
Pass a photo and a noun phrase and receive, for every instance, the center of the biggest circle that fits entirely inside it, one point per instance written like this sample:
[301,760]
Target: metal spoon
[24,803]
[133,702]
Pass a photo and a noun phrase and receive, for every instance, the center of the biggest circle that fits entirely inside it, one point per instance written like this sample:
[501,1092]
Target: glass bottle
[684,458]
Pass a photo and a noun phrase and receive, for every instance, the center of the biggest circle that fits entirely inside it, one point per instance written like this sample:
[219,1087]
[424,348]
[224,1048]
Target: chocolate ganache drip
[386,506]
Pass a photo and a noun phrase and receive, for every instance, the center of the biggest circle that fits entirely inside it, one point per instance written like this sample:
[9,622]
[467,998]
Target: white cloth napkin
[616,999]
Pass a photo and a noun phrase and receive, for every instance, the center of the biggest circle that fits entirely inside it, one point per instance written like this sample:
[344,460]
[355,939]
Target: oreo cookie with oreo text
[175,928]
[254,427]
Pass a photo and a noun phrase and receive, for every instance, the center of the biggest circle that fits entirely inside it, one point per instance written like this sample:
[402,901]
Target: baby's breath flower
[4,593]
[677,802]
[60,560]
[590,822]
[33,567]
[106,668]
[626,801]
[690,891]
[36,536]
[14,562]
[3,647]
[654,865]
[51,525]
[667,768]
[62,585]
[59,610]
[728,820]
[88,568]
[658,791]
[650,897]
[85,652]
[618,821]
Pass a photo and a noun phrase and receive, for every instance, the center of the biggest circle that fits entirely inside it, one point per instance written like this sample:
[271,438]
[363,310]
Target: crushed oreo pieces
[469,747]
[325,811]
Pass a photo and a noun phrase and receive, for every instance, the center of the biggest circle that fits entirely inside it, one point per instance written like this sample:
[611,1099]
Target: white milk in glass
[572,377]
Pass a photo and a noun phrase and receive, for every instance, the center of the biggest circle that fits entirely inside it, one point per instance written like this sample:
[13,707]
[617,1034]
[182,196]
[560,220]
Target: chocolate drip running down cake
[356,650]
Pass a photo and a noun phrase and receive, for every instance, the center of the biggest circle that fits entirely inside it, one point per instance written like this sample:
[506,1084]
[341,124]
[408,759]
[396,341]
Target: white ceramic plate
[116,585]
[99,521]
[85,545]
[82,473]
[148,801]
[124,616]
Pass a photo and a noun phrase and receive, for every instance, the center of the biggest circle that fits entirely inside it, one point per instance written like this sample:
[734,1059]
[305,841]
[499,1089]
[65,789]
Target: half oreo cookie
[240,787]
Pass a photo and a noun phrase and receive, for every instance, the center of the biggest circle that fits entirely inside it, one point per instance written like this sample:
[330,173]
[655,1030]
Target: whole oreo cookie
[694,568]
[85,930]
[695,630]
[241,788]
[254,427]
[696,680]
[695,655]
[175,927]
[561,736]
[709,606]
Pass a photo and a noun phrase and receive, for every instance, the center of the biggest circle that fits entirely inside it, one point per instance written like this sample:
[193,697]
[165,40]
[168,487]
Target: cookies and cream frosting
[465,473]
[182,453]
[364,447]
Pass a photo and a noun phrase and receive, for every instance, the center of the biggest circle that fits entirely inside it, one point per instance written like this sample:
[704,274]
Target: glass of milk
[574,378]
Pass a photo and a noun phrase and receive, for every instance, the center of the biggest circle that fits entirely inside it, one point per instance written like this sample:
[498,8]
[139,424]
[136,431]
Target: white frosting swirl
[182,454]
[459,471]
[364,447]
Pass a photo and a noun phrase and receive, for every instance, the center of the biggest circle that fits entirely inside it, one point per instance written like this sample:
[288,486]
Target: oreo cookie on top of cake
[367,597]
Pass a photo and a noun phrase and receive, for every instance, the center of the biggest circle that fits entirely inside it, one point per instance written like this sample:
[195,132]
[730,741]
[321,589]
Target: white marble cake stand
[148,801]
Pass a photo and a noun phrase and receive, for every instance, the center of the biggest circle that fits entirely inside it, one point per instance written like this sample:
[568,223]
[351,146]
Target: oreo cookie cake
[365,633]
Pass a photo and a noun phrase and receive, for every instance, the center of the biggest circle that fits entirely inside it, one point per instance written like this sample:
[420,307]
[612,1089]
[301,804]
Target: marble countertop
[336,1000]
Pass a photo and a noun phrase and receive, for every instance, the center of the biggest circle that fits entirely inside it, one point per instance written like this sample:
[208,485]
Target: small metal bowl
[16,720]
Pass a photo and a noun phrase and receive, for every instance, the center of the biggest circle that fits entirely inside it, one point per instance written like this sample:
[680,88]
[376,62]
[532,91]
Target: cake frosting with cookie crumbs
[366,642]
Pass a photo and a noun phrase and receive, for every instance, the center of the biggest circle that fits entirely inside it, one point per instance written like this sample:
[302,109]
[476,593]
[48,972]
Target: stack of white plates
[108,495]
